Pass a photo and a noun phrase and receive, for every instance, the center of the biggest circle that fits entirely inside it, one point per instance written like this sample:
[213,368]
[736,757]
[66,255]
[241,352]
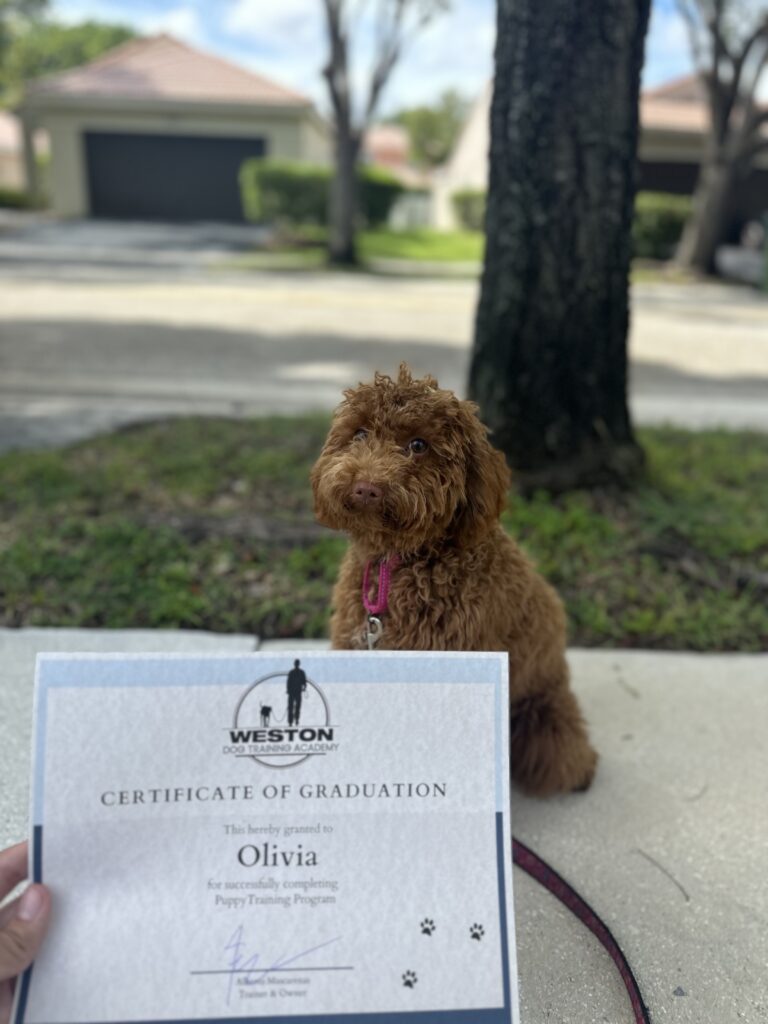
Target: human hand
[23,923]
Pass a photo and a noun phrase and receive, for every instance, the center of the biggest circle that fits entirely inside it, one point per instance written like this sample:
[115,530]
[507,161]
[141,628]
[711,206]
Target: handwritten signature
[241,963]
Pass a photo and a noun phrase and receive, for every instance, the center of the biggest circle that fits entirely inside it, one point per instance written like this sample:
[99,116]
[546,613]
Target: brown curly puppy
[408,472]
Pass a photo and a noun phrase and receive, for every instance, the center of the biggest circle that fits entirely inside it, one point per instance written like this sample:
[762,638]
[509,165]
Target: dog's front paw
[587,772]
[551,752]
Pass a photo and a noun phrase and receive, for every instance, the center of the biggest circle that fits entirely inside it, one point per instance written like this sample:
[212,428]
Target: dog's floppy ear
[487,479]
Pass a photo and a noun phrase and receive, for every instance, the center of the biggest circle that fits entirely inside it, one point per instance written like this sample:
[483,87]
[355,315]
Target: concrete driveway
[32,244]
[105,325]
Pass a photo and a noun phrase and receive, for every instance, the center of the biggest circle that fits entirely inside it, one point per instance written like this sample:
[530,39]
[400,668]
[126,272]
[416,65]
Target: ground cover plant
[207,524]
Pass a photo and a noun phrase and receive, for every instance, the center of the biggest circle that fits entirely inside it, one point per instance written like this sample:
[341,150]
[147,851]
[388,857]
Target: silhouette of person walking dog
[295,686]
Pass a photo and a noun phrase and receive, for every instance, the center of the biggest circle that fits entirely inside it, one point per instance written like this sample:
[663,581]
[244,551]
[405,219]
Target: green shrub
[658,224]
[469,207]
[379,190]
[290,192]
[17,199]
[656,229]
[284,190]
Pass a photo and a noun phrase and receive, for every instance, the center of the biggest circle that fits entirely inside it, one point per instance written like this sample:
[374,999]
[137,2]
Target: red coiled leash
[534,866]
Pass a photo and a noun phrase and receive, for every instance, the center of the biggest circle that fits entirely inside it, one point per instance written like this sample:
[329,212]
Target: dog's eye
[418,446]
[360,435]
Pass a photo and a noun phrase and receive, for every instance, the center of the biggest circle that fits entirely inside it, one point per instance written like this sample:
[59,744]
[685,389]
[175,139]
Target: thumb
[23,935]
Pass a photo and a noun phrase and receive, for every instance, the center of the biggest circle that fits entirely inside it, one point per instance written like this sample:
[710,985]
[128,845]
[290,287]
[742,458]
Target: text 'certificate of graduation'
[315,836]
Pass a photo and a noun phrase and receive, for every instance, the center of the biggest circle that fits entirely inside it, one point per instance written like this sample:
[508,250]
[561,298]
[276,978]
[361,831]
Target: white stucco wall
[317,140]
[467,167]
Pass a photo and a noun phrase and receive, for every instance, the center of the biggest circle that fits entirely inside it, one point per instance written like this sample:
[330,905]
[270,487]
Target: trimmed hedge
[290,192]
[18,199]
[658,224]
[379,191]
[656,229]
[469,207]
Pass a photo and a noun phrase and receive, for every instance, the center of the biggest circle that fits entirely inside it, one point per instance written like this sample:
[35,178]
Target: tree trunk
[549,363]
[708,224]
[342,250]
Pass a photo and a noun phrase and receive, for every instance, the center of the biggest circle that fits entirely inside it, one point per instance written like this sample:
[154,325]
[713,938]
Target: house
[388,146]
[157,130]
[673,124]
[466,170]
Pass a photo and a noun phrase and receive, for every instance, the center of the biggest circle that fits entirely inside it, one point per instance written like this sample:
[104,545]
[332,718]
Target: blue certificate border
[490,1015]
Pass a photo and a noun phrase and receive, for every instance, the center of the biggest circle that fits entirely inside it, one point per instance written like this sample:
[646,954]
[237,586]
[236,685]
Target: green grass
[423,244]
[208,524]
[304,248]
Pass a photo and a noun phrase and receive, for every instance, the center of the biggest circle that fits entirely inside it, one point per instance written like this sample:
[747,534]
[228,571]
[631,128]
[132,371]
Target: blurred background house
[674,120]
[157,130]
[388,146]
[673,123]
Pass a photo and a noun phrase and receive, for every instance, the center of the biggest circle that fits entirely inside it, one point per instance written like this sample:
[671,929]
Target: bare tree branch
[392,29]
[750,93]
[759,145]
[390,35]
[690,14]
[716,29]
[758,34]
[336,72]
[753,117]
[758,120]
[394,34]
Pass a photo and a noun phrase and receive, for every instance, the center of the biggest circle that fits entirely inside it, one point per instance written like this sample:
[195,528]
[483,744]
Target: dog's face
[407,464]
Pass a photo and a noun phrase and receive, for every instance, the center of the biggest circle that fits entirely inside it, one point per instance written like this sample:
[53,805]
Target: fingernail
[31,903]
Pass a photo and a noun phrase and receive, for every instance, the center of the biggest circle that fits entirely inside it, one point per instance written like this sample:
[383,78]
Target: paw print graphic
[427,926]
[409,979]
[476,932]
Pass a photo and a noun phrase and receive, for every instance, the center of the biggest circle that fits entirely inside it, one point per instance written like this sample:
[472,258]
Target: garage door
[166,177]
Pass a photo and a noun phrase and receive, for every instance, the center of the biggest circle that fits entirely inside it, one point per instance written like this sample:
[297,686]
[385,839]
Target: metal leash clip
[375,629]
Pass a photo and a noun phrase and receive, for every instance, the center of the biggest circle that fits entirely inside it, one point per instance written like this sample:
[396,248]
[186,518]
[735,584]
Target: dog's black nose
[366,493]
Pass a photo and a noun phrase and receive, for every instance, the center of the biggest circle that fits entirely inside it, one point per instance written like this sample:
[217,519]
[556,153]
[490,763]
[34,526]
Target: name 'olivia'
[270,856]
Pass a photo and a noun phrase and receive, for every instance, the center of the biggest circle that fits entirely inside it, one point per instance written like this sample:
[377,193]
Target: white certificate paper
[314,836]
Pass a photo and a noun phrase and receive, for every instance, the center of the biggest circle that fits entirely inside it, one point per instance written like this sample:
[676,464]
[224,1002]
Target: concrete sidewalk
[670,845]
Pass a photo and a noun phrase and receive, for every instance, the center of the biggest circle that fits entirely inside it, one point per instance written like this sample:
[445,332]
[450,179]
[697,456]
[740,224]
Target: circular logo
[286,717]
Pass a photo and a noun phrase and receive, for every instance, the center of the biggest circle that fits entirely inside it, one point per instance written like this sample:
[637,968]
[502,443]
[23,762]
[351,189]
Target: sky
[284,40]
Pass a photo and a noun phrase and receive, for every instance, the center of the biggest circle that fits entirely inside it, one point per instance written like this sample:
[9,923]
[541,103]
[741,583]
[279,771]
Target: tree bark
[549,362]
[712,206]
[344,199]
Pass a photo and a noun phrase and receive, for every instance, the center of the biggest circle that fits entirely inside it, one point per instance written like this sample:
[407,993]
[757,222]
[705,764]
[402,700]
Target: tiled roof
[670,116]
[163,68]
[679,106]
[689,89]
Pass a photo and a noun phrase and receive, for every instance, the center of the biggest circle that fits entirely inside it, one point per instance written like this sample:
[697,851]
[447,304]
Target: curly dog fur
[407,470]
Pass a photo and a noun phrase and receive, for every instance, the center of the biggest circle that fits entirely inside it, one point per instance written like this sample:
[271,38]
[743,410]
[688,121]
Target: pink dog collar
[381,604]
